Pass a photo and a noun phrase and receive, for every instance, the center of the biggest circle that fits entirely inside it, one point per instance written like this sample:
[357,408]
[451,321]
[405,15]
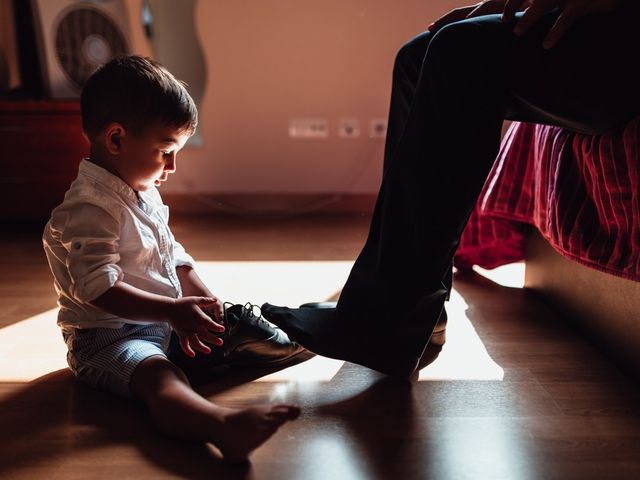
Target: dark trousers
[452,89]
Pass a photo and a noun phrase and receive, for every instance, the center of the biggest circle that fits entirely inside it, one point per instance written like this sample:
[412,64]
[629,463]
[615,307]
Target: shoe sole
[210,373]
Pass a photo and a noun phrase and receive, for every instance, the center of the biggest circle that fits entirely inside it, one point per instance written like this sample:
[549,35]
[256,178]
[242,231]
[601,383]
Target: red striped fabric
[580,191]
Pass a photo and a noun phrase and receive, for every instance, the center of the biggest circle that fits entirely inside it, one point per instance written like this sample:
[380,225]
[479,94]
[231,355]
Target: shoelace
[248,307]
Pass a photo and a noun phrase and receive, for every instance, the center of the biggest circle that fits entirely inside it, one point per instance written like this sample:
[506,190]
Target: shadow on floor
[53,420]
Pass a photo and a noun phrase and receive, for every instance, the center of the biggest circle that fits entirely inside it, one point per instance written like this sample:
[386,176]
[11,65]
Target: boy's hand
[214,309]
[193,325]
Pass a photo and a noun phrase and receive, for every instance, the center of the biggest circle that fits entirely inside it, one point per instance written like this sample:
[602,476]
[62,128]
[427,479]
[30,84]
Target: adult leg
[406,72]
[406,75]
[179,411]
[475,73]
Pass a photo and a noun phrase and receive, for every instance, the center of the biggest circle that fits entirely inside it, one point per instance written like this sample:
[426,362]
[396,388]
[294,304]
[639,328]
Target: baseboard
[269,204]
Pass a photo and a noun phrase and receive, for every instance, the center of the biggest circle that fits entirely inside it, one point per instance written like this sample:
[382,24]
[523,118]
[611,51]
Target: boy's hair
[136,92]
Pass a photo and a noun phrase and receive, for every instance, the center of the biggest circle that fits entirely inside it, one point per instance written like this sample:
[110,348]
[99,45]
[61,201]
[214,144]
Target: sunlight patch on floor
[511,275]
[316,369]
[34,347]
[464,356]
[279,283]
[341,448]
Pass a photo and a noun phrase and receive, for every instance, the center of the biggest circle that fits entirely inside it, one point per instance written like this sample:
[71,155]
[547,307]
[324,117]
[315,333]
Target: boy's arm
[190,282]
[192,285]
[185,314]
[127,301]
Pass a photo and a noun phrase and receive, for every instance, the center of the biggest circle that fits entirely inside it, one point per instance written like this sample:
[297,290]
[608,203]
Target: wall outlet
[308,128]
[378,128]
[348,128]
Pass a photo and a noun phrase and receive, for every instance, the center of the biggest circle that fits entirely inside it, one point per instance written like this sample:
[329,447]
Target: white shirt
[104,232]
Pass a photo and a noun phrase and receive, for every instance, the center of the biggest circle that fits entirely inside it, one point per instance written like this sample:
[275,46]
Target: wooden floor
[525,398]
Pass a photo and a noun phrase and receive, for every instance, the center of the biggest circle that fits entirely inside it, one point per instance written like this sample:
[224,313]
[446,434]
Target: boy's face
[147,159]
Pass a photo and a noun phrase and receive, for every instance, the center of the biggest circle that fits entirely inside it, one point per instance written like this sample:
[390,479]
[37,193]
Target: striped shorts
[105,358]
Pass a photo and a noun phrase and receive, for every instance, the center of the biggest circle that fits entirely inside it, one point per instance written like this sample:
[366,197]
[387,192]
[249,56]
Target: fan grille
[85,39]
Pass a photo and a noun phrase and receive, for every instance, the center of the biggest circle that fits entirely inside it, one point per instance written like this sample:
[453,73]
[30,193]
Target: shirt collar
[89,169]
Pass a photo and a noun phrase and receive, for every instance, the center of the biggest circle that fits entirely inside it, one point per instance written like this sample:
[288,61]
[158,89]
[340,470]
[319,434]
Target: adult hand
[486,7]
[193,325]
[570,11]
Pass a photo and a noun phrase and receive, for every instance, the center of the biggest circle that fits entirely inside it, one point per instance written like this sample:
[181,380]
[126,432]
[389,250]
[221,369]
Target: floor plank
[551,406]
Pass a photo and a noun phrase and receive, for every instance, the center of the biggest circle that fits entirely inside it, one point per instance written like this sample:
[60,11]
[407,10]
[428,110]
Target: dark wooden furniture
[41,145]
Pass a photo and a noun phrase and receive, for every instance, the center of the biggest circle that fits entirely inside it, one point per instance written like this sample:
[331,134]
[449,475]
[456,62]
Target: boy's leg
[179,411]
[475,73]
[130,361]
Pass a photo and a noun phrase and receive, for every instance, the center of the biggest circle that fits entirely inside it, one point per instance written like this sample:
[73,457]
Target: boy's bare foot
[244,430]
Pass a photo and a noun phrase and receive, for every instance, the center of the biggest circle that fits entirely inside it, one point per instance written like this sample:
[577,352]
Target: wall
[268,61]
[265,62]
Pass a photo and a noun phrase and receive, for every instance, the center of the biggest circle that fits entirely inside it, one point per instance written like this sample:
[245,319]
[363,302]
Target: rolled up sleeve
[91,235]
[180,256]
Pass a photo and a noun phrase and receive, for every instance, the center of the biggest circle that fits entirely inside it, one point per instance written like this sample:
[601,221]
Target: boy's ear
[113,136]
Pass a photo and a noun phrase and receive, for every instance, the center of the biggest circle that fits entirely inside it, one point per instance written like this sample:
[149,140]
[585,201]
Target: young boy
[131,304]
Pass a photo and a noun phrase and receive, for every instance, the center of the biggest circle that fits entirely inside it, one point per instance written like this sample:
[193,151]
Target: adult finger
[487,8]
[511,7]
[531,16]
[453,16]
[563,23]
